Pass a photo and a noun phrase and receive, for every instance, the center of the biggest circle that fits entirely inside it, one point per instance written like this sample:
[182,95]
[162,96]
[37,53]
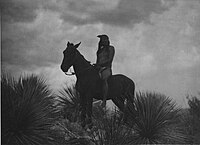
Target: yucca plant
[106,129]
[27,111]
[194,109]
[194,104]
[155,120]
[186,123]
[69,103]
[98,112]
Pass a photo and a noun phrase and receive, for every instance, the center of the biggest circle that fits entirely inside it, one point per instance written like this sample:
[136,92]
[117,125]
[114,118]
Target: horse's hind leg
[89,111]
[129,105]
[124,104]
[130,97]
[119,102]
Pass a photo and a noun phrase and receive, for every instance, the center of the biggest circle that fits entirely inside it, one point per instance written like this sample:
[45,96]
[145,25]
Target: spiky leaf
[27,111]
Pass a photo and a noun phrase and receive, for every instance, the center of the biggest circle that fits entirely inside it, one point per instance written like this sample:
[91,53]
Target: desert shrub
[27,111]
[154,120]
[107,129]
[110,129]
[69,105]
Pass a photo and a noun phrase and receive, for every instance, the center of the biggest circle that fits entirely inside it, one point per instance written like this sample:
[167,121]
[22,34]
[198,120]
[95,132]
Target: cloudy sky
[157,42]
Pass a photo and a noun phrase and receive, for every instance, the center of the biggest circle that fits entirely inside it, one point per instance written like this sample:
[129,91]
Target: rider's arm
[111,54]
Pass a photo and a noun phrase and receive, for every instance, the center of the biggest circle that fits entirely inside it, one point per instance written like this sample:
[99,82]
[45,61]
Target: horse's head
[69,56]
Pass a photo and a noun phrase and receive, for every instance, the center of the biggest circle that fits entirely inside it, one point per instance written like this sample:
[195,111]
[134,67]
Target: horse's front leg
[83,105]
[89,110]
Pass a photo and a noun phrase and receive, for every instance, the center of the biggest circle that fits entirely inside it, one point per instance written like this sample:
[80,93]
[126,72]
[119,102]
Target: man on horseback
[105,54]
[122,89]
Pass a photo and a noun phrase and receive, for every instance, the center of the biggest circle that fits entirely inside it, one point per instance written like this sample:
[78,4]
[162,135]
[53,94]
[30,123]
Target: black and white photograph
[100,72]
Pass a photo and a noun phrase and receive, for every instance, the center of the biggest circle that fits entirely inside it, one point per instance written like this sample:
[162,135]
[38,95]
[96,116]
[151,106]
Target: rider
[105,54]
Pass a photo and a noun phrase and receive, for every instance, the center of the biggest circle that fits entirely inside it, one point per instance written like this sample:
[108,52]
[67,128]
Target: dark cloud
[19,10]
[29,56]
[81,12]
[118,17]
[126,13]
[28,48]
[129,12]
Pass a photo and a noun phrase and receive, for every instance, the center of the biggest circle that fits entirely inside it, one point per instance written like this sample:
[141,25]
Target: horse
[89,85]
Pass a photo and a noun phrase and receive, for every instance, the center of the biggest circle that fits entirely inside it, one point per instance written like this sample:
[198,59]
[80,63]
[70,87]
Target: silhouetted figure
[88,84]
[105,54]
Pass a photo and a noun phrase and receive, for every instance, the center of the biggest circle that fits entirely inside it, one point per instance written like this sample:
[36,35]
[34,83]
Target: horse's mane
[84,58]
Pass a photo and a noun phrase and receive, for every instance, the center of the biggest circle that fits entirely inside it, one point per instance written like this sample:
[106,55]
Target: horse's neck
[80,64]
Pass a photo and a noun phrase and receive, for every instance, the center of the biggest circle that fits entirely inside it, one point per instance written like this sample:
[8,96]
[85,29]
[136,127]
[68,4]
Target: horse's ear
[68,43]
[77,45]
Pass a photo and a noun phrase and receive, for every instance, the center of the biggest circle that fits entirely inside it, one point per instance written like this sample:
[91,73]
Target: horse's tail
[129,105]
[130,96]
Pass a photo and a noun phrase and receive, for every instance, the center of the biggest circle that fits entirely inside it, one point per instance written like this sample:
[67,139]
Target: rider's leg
[105,74]
[105,92]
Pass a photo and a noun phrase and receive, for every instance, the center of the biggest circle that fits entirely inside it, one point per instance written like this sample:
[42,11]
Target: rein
[71,73]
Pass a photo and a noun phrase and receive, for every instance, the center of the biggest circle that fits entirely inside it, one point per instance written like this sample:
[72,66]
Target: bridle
[71,73]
